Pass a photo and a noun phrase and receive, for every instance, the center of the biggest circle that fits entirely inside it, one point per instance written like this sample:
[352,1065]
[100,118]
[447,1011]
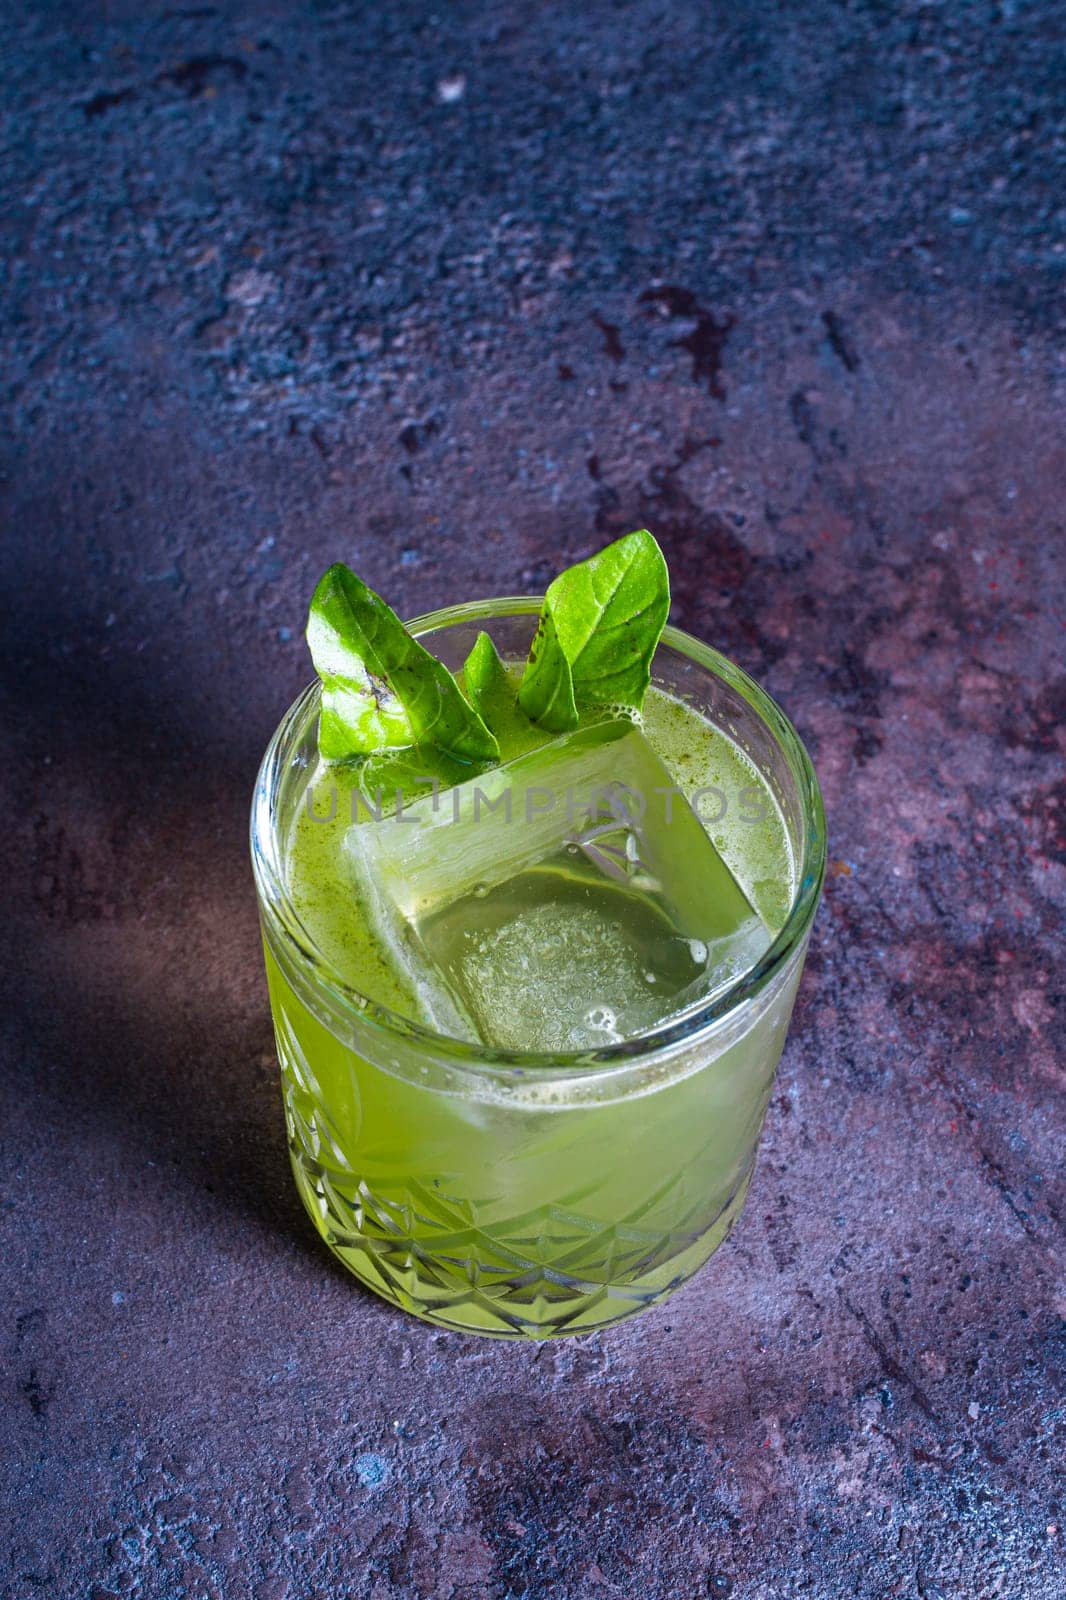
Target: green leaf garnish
[485,678]
[547,690]
[386,698]
[380,687]
[492,689]
[598,629]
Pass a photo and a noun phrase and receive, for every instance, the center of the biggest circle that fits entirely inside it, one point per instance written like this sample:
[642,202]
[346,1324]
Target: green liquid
[530,1208]
[626,950]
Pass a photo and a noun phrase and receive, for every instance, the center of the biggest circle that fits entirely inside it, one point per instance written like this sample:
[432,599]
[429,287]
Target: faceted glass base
[546,1273]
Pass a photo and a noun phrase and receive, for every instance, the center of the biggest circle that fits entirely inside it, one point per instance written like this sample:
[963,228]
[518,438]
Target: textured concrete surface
[454,294]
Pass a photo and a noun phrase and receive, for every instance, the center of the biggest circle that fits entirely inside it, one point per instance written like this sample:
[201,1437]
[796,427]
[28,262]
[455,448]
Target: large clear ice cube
[564,900]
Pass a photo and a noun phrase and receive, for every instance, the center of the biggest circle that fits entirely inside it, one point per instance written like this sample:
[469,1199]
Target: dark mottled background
[455,294]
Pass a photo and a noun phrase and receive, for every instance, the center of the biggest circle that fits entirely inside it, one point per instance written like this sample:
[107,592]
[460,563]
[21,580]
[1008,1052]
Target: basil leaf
[546,692]
[492,689]
[597,634]
[380,688]
[485,676]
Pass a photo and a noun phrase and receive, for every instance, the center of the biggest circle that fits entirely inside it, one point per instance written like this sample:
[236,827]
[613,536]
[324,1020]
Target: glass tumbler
[524,1194]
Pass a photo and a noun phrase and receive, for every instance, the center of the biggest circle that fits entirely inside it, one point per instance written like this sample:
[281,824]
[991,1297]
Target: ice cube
[566,899]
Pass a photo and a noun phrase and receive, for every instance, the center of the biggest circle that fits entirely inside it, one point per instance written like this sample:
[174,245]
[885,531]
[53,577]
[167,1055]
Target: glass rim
[281,916]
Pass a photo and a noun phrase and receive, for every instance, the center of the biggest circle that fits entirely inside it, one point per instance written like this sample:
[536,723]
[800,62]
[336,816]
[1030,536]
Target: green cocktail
[526,1059]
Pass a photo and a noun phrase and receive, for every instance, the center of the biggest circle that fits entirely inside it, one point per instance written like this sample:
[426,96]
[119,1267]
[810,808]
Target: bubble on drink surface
[623,713]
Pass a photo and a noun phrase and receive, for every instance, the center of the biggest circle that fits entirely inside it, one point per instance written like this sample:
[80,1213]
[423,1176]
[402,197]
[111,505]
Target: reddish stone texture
[455,294]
